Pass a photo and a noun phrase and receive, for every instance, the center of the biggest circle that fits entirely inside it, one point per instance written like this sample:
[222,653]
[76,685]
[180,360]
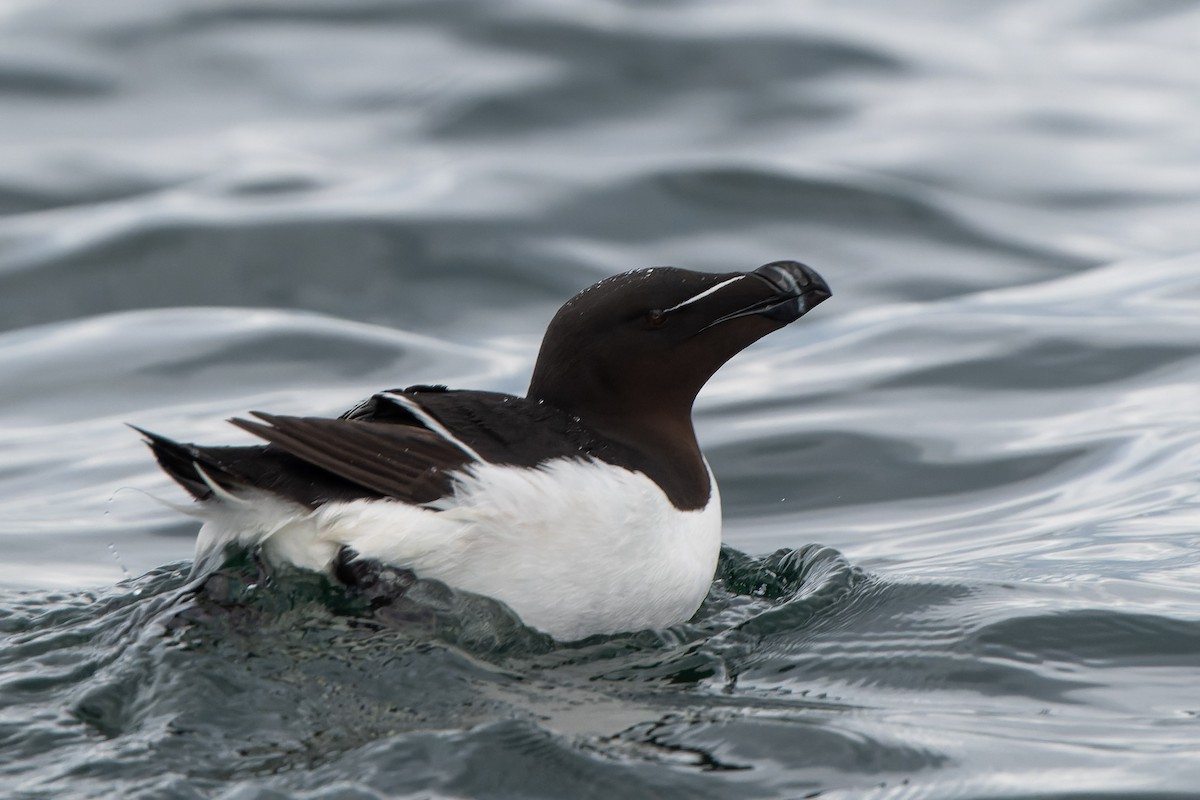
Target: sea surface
[962,497]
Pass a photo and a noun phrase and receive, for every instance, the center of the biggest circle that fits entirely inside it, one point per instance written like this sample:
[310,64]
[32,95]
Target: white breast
[574,547]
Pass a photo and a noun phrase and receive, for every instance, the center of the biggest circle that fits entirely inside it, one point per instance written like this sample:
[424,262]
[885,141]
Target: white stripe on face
[703,294]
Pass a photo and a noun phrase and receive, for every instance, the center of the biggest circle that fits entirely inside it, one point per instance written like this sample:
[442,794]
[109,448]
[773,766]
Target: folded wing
[400,461]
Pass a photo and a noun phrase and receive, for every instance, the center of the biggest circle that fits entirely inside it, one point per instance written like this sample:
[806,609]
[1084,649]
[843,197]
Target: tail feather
[183,463]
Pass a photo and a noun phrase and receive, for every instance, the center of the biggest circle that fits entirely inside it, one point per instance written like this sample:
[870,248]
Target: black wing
[258,466]
[378,449]
[395,460]
[314,460]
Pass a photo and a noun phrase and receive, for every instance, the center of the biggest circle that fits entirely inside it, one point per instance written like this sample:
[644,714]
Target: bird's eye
[656,317]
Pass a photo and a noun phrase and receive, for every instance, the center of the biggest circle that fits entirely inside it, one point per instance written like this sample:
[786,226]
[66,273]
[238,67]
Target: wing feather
[401,461]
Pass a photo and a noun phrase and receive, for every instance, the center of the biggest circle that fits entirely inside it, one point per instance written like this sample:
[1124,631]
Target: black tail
[183,462]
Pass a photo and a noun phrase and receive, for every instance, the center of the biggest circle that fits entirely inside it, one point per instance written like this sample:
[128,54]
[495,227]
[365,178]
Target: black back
[380,449]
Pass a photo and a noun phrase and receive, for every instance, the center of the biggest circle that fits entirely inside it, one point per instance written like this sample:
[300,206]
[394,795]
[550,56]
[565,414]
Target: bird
[586,506]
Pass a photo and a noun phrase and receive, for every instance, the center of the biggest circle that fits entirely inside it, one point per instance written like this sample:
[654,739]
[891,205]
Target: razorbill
[586,505]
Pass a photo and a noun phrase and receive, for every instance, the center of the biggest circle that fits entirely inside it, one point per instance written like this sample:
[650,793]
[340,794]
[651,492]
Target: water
[975,466]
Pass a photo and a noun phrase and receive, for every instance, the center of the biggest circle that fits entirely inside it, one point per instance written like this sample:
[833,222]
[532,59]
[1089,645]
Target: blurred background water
[990,437]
